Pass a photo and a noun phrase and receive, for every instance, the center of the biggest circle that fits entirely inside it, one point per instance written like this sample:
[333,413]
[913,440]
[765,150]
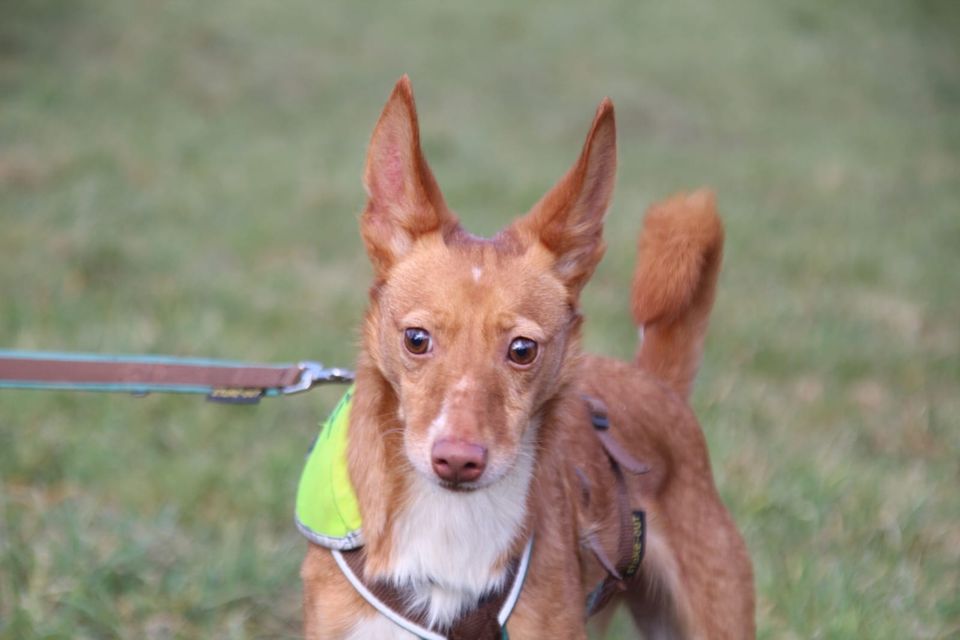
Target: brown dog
[479,431]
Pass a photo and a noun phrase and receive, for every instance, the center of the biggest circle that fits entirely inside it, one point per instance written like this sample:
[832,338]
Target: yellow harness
[327,511]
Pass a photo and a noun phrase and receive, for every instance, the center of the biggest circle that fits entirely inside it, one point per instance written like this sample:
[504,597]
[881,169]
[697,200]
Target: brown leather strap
[631,539]
[146,373]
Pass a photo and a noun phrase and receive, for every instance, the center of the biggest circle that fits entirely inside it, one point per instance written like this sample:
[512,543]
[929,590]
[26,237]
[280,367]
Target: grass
[185,178]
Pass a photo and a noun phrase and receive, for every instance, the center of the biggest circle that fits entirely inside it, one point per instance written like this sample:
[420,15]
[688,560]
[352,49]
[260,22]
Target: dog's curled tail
[681,247]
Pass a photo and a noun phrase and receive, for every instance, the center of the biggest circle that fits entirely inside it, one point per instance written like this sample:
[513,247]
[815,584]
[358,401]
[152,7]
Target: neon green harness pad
[327,510]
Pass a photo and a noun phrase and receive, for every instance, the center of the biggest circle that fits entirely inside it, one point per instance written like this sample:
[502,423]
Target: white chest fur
[447,545]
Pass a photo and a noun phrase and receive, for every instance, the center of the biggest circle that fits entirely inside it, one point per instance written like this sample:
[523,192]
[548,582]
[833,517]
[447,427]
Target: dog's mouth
[465,486]
[459,487]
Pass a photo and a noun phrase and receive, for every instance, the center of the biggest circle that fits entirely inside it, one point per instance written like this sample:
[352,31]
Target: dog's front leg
[331,607]
[537,628]
[550,606]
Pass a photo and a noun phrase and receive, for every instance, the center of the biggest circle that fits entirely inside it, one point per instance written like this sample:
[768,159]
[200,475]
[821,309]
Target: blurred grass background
[184,178]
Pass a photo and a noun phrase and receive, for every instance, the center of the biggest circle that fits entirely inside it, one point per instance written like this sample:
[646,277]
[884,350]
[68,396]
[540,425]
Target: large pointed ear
[568,220]
[404,199]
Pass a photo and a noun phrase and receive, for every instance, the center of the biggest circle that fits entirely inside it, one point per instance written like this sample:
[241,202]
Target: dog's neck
[448,547]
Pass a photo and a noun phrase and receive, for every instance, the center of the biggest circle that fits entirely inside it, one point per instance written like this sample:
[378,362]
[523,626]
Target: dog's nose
[457,461]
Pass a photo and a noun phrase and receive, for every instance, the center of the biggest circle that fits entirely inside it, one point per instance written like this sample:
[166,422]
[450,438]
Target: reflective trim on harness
[401,620]
[353,540]
[517,587]
[381,606]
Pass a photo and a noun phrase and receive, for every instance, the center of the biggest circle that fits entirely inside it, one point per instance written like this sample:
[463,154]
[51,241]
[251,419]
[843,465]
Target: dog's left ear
[568,220]
[405,201]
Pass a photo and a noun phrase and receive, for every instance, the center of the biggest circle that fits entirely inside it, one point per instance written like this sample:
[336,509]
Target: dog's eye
[416,340]
[522,351]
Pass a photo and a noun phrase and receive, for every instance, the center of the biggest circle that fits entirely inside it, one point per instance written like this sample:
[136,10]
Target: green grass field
[184,178]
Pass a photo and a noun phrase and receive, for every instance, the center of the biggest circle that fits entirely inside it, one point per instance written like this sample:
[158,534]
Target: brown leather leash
[220,380]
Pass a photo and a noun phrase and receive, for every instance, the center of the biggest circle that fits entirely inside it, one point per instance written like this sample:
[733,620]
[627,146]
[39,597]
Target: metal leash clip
[314,373]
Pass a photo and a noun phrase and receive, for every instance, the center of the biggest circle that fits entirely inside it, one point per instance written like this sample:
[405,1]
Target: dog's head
[473,335]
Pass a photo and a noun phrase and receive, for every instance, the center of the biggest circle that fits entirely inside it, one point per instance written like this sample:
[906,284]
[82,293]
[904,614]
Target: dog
[491,460]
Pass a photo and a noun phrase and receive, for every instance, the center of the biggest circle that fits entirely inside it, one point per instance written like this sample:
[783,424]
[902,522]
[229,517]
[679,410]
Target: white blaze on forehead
[477,272]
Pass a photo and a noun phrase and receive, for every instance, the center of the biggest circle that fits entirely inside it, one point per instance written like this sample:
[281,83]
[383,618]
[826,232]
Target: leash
[220,380]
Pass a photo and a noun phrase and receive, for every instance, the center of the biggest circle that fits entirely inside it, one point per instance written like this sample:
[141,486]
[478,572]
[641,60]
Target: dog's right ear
[404,199]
